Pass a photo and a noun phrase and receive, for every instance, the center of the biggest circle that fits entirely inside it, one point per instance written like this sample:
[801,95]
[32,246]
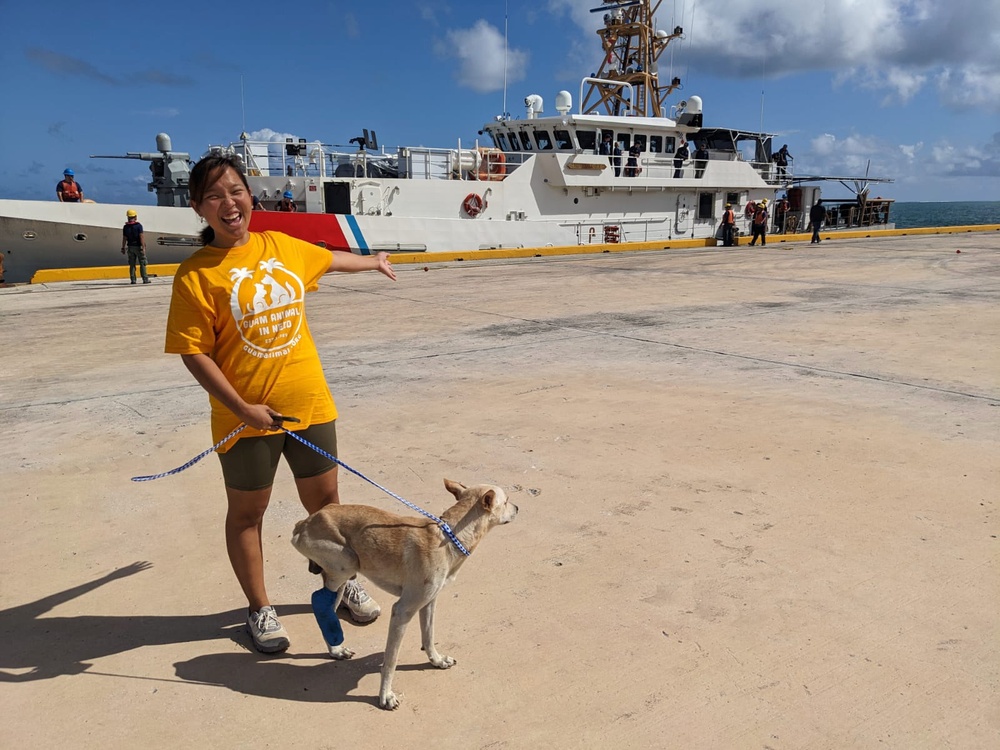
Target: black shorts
[251,464]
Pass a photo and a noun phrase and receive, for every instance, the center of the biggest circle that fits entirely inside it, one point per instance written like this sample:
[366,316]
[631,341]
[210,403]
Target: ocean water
[956,214]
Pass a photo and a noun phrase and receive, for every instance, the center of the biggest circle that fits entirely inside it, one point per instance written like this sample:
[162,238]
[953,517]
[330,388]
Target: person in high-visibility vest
[728,225]
[69,190]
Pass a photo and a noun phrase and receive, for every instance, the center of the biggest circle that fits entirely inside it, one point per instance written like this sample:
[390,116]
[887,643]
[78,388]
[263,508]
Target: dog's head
[490,499]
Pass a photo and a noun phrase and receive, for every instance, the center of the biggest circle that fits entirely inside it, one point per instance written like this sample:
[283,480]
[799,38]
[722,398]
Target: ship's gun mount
[171,172]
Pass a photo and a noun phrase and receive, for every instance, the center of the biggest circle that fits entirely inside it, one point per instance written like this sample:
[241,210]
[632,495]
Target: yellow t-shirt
[245,308]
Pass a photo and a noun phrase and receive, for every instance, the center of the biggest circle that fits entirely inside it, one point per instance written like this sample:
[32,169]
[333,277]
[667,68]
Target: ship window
[669,145]
[587,138]
[706,205]
[514,145]
[544,140]
[563,139]
[640,141]
[733,198]
[500,141]
[656,144]
[525,141]
[625,141]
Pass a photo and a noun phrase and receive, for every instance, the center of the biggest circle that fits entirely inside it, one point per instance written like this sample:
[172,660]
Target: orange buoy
[473,205]
[492,164]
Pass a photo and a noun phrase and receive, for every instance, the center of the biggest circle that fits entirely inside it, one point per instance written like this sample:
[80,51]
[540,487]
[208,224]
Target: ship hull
[36,235]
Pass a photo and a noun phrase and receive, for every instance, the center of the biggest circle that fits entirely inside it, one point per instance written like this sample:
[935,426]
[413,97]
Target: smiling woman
[237,318]
[221,196]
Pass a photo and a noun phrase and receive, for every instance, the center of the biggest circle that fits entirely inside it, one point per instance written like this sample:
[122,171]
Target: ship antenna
[505,58]
[243,105]
[763,75]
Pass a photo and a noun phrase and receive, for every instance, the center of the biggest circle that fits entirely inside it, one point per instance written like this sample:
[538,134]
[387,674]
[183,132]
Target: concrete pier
[758,494]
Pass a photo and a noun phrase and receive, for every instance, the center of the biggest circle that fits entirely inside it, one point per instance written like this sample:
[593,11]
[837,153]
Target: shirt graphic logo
[267,306]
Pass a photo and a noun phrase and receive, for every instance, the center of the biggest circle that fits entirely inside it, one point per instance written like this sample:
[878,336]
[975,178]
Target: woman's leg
[243,541]
[318,492]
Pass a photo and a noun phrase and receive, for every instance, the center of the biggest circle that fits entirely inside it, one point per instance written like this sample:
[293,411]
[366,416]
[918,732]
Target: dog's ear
[455,488]
[489,500]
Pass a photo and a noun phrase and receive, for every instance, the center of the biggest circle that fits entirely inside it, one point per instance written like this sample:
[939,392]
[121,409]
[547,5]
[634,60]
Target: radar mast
[632,49]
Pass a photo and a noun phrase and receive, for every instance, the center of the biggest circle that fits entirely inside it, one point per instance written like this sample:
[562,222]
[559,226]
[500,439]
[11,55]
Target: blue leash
[444,526]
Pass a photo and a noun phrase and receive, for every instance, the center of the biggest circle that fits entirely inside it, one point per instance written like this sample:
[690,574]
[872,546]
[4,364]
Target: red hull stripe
[320,229]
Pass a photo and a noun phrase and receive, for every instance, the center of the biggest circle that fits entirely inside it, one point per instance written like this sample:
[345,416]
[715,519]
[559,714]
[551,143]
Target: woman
[237,318]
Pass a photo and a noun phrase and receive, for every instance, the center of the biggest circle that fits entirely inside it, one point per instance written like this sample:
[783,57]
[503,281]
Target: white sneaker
[361,606]
[268,635]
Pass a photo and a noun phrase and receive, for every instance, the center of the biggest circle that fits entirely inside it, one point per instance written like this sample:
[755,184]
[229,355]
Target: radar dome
[163,142]
[694,105]
[564,102]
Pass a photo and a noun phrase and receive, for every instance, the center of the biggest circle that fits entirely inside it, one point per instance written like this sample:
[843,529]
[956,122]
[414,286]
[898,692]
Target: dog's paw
[340,652]
[389,701]
[443,662]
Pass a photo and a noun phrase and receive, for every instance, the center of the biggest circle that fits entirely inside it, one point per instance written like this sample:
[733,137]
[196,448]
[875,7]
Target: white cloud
[974,86]
[900,85]
[851,156]
[266,134]
[161,112]
[967,160]
[910,151]
[480,54]
[917,166]
[896,47]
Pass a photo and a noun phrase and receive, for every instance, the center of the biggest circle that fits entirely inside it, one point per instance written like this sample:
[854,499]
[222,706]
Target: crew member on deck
[69,190]
[680,156]
[286,203]
[632,168]
[700,160]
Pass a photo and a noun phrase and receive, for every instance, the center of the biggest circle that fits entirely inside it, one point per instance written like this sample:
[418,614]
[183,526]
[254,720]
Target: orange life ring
[492,164]
[473,205]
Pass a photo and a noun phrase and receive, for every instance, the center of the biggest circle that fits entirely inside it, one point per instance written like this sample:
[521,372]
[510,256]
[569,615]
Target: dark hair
[205,173]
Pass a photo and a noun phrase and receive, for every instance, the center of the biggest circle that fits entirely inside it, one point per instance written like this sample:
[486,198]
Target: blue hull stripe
[358,237]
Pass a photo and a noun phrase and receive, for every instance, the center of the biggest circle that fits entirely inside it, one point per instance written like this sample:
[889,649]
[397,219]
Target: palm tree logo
[267,305]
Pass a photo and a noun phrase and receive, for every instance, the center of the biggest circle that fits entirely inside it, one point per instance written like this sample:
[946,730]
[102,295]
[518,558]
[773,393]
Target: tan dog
[410,557]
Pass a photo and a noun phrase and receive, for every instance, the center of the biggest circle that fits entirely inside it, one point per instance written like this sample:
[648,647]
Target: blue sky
[911,85]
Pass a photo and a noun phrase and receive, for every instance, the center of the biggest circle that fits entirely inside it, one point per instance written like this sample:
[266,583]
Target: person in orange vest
[69,190]
[728,225]
[759,225]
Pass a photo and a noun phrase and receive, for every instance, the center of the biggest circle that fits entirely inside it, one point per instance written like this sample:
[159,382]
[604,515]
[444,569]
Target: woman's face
[226,206]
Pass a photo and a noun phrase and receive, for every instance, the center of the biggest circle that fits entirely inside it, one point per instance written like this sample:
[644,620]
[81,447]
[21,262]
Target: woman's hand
[260,417]
[385,265]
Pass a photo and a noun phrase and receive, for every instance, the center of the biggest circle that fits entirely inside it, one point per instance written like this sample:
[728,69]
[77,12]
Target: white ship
[530,182]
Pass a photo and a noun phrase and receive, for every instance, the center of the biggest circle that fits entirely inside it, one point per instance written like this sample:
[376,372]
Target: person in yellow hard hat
[134,243]
[759,223]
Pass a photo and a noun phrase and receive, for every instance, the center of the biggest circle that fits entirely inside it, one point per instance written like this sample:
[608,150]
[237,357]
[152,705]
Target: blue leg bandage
[329,624]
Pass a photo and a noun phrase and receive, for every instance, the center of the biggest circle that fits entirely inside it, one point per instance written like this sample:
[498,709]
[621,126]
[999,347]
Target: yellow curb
[97,273]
